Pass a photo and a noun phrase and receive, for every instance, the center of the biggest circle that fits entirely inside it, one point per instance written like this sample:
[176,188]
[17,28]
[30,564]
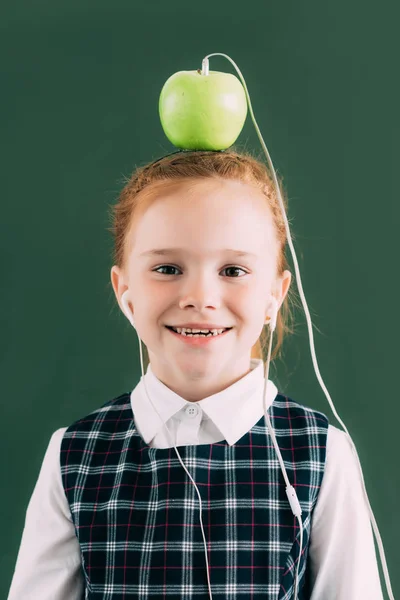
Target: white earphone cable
[290,491]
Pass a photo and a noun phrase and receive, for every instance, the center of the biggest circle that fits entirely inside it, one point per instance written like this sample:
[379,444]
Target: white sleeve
[342,555]
[49,563]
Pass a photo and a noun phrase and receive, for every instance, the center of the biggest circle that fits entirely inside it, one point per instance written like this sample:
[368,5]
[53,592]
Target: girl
[199,245]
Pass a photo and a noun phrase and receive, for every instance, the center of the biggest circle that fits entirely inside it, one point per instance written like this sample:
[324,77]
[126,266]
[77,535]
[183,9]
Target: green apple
[202,112]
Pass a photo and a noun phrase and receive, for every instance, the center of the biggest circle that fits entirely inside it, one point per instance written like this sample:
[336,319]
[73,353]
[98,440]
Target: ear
[282,287]
[118,283]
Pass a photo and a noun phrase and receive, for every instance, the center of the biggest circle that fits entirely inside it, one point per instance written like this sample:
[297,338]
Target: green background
[79,111]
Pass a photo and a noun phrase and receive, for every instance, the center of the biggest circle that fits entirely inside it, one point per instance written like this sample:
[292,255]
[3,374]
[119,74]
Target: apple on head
[202,112]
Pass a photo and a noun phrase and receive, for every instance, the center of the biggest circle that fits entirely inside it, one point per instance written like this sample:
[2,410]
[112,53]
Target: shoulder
[91,434]
[340,454]
[110,411]
[297,414]
[337,438]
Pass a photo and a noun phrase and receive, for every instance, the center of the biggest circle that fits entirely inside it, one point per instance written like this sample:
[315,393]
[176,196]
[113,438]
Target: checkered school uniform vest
[136,512]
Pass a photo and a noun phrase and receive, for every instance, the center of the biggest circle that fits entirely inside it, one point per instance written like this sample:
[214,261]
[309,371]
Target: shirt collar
[234,410]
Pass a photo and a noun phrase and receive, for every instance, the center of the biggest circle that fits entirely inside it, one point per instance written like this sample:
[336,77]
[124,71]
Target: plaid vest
[136,512]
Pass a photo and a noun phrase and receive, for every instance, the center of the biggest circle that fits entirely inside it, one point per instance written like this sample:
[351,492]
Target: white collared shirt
[342,556]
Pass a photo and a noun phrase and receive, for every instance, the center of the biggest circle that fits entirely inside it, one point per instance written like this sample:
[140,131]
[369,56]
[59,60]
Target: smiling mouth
[200,335]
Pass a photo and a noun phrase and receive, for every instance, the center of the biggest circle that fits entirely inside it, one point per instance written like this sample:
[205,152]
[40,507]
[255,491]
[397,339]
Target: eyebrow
[165,251]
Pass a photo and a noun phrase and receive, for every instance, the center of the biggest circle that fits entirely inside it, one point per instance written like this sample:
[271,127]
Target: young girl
[200,245]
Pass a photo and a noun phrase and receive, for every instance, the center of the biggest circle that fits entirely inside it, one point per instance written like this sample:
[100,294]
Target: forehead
[214,197]
[206,214]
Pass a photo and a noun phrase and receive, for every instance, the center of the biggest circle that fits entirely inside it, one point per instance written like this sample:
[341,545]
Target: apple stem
[205,67]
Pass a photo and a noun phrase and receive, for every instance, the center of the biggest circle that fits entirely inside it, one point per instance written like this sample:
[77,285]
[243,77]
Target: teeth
[208,332]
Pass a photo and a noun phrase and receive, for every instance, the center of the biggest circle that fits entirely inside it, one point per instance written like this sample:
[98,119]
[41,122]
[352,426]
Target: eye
[235,268]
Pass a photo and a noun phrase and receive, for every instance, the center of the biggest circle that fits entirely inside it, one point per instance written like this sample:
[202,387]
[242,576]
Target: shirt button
[192,411]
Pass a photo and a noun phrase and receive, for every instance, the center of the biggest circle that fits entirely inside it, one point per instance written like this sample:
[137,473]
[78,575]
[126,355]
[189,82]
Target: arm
[48,564]
[342,554]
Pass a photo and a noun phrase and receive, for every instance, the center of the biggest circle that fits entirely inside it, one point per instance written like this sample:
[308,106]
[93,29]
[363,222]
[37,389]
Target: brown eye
[164,267]
[235,269]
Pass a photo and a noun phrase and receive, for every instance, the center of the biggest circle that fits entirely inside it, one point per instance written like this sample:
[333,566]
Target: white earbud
[127,311]
[273,309]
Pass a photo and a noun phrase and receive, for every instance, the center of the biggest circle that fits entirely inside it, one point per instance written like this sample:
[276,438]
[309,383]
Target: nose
[201,291]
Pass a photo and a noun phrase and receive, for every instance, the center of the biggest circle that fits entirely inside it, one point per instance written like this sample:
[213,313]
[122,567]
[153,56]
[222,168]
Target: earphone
[198,134]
